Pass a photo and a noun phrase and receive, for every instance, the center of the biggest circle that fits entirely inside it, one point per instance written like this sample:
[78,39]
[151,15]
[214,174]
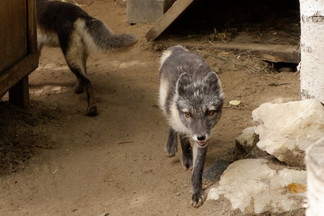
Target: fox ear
[212,81]
[183,81]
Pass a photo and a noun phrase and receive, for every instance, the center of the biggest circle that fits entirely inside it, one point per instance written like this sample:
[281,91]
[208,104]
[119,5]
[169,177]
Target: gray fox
[191,98]
[66,25]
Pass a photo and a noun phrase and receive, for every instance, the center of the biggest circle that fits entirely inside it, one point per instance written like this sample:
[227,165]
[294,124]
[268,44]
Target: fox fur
[67,26]
[191,98]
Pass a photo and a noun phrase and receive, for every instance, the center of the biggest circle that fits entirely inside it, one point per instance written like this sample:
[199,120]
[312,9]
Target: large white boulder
[257,185]
[285,130]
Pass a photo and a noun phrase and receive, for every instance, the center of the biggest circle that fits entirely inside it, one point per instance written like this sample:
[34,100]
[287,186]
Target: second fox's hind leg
[79,88]
[172,143]
[186,151]
[76,57]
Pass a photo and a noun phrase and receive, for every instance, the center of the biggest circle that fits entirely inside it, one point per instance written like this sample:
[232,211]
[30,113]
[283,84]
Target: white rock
[315,179]
[287,129]
[255,186]
[248,140]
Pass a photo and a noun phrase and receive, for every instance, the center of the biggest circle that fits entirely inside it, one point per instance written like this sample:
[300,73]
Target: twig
[125,142]
[215,56]
[212,44]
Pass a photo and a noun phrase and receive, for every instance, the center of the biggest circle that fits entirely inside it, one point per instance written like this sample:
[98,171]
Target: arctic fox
[65,25]
[191,98]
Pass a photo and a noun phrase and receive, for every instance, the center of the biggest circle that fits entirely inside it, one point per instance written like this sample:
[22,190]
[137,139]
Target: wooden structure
[18,48]
[167,19]
[272,53]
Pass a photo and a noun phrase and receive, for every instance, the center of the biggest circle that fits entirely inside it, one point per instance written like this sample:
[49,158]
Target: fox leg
[186,151]
[197,197]
[76,57]
[172,143]
[79,88]
[84,84]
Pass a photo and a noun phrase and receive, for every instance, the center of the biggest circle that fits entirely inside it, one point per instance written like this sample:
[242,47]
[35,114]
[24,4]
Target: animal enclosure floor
[54,160]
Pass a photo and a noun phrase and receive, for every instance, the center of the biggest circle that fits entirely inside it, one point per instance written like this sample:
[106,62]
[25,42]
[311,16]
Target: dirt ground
[54,160]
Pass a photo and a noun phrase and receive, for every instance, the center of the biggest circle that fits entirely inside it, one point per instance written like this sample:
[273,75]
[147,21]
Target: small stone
[285,69]
[234,102]
[248,140]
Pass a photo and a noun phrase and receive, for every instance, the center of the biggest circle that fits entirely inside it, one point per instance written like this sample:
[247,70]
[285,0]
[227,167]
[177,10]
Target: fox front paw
[197,200]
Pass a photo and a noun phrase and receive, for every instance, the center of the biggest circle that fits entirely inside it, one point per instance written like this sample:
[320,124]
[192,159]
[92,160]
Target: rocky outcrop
[282,133]
[285,130]
[258,185]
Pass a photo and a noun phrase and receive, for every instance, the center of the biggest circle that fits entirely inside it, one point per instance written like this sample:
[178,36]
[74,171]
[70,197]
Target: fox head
[199,104]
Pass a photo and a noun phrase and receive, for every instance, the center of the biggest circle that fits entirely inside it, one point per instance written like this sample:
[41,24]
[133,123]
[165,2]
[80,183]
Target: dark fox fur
[65,25]
[191,98]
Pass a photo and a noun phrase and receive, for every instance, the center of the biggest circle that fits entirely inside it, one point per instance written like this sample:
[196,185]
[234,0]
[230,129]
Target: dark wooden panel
[13,32]
[19,93]
[16,73]
[18,48]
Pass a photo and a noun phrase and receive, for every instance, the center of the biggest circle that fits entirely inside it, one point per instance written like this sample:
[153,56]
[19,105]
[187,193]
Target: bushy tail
[97,36]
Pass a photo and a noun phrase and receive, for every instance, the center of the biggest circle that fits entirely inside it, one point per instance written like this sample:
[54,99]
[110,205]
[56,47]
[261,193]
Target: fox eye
[187,114]
[210,112]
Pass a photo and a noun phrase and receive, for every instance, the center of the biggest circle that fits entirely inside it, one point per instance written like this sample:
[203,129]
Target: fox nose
[201,138]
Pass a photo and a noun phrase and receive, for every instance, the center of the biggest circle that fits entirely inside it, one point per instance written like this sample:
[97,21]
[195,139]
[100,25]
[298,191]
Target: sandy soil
[54,160]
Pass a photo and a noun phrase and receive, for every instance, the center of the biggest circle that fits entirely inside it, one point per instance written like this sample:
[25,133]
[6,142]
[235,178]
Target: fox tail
[97,36]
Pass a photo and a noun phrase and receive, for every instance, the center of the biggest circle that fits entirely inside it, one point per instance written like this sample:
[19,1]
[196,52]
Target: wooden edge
[166,19]
[19,93]
[14,74]
[268,52]
[32,26]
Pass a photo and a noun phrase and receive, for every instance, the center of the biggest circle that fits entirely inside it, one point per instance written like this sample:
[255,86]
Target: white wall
[312,49]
